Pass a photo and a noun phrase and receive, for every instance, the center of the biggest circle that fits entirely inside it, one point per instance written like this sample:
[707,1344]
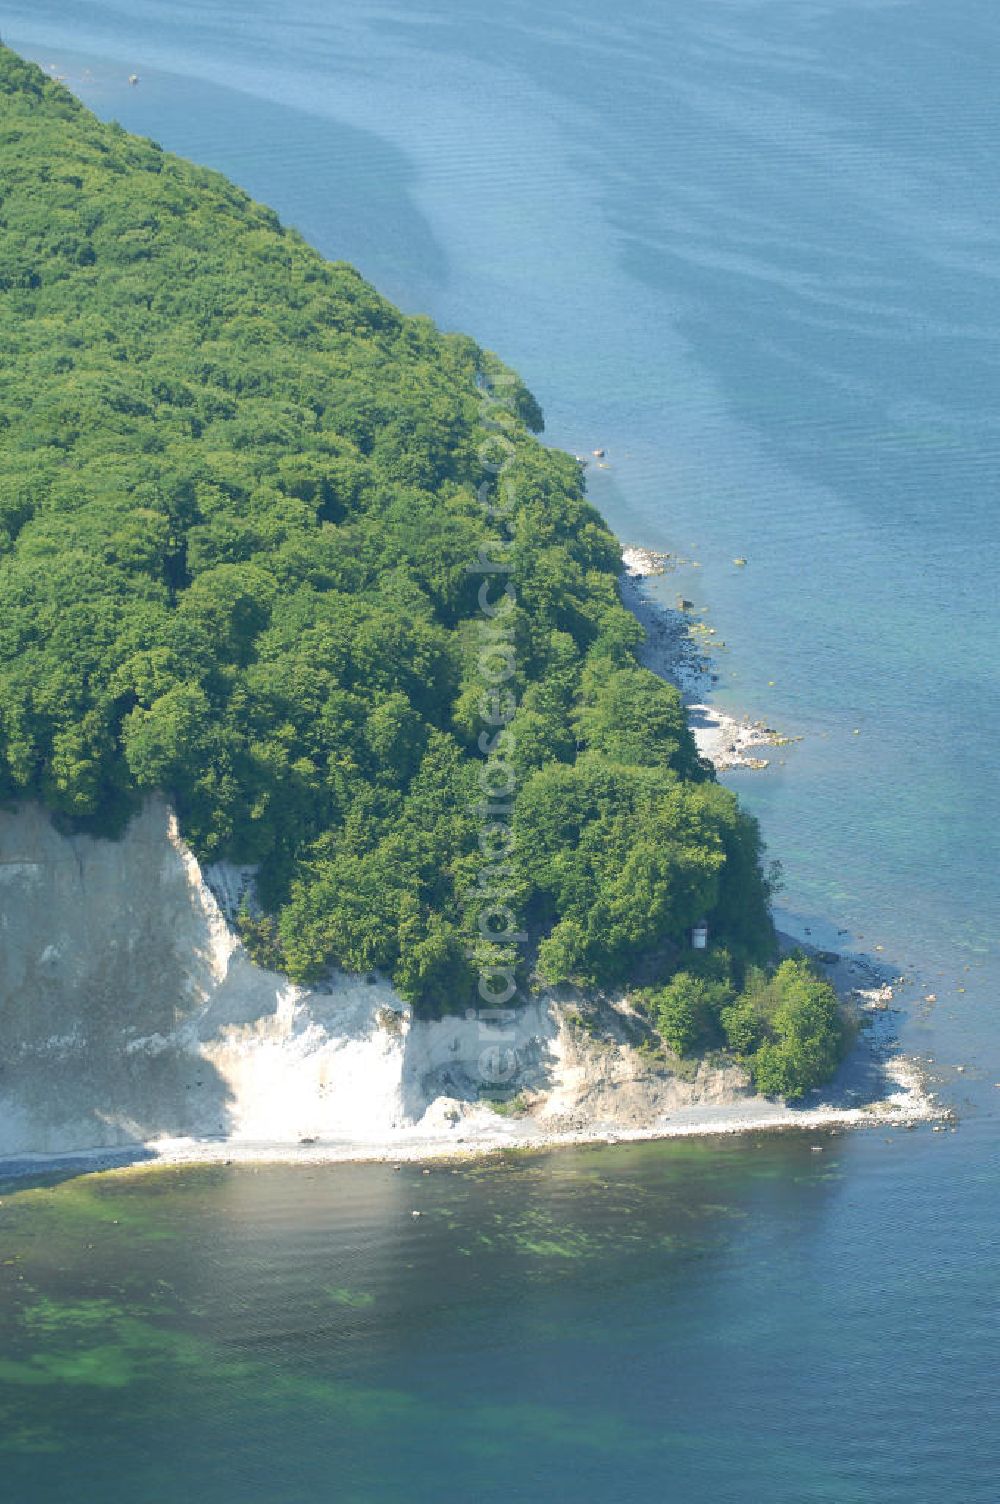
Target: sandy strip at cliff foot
[484,1133]
[135,1027]
[604,1097]
[602,1092]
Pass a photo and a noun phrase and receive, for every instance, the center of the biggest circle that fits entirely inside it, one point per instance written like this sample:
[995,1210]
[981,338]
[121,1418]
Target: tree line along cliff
[239,497]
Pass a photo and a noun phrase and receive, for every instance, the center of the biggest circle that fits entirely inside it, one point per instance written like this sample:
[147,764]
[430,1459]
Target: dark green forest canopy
[238,505]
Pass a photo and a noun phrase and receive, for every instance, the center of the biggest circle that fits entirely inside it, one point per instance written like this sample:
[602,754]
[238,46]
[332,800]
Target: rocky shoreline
[219,1061]
[674,648]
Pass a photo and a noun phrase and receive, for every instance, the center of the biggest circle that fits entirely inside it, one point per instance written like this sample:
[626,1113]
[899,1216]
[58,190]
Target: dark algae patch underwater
[723,1319]
[244,1329]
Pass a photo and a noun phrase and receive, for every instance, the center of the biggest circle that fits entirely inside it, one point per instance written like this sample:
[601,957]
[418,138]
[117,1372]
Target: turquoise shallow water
[753,248]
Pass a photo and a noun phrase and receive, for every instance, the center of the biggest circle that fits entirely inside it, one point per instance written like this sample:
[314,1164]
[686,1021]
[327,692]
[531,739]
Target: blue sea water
[751,248]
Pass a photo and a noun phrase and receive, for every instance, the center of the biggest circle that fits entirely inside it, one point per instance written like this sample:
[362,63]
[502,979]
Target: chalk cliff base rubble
[131,1015]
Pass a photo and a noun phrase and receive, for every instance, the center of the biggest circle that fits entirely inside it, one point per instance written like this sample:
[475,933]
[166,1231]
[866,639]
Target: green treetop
[239,498]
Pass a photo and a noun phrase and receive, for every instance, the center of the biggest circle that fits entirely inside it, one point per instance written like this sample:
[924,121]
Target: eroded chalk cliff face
[130,1012]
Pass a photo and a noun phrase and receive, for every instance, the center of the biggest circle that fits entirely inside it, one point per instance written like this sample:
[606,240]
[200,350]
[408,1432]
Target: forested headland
[242,501]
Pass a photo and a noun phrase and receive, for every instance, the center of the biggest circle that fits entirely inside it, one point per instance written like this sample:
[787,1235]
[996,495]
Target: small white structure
[699,935]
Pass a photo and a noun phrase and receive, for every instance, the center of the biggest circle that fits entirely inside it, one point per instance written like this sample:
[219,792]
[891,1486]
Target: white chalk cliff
[130,1013]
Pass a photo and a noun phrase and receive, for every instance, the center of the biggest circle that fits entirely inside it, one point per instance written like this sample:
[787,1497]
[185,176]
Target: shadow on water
[31,1171]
